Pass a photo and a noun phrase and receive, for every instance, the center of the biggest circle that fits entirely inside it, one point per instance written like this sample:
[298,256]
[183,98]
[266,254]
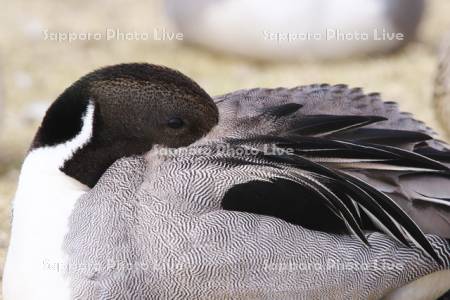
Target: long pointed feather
[382,136]
[348,217]
[437,200]
[320,125]
[379,204]
[399,214]
[377,211]
[363,197]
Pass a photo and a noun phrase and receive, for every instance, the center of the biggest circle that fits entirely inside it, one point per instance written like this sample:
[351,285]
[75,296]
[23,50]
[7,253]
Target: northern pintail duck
[138,185]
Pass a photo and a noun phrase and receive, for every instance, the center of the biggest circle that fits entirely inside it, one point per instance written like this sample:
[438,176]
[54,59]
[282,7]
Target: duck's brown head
[123,110]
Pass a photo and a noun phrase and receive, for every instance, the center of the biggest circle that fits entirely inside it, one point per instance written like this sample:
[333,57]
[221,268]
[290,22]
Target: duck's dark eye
[175,123]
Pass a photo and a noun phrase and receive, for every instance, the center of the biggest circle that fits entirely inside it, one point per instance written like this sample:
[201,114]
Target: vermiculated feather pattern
[182,224]
[151,243]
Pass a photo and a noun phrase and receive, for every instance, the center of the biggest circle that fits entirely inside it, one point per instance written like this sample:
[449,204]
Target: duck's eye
[175,123]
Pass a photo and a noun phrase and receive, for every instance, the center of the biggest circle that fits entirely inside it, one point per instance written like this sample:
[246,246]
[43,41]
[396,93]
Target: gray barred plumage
[166,222]
[241,114]
[307,193]
[180,244]
[316,99]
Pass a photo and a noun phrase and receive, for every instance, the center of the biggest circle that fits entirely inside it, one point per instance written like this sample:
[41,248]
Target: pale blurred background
[34,71]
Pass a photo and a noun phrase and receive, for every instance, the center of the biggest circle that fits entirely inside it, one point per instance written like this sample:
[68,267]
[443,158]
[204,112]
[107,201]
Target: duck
[139,185]
[297,30]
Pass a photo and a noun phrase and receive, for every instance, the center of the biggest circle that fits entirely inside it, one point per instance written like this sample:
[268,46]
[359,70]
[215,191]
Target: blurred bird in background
[295,30]
[2,111]
[442,86]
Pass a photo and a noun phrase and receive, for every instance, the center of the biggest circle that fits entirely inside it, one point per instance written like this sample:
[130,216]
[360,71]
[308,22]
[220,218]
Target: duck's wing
[171,225]
[317,99]
[321,115]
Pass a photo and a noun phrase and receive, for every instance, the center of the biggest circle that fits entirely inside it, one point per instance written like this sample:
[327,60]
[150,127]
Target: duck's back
[331,113]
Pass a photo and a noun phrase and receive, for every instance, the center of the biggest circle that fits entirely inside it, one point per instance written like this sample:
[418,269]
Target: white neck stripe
[53,157]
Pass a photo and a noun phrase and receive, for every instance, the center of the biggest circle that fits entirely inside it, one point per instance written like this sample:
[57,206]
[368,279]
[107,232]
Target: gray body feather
[316,99]
[240,114]
[151,237]
[154,228]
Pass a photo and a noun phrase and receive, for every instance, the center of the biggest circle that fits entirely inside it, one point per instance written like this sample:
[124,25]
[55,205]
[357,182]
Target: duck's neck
[42,208]
[41,170]
[41,174]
